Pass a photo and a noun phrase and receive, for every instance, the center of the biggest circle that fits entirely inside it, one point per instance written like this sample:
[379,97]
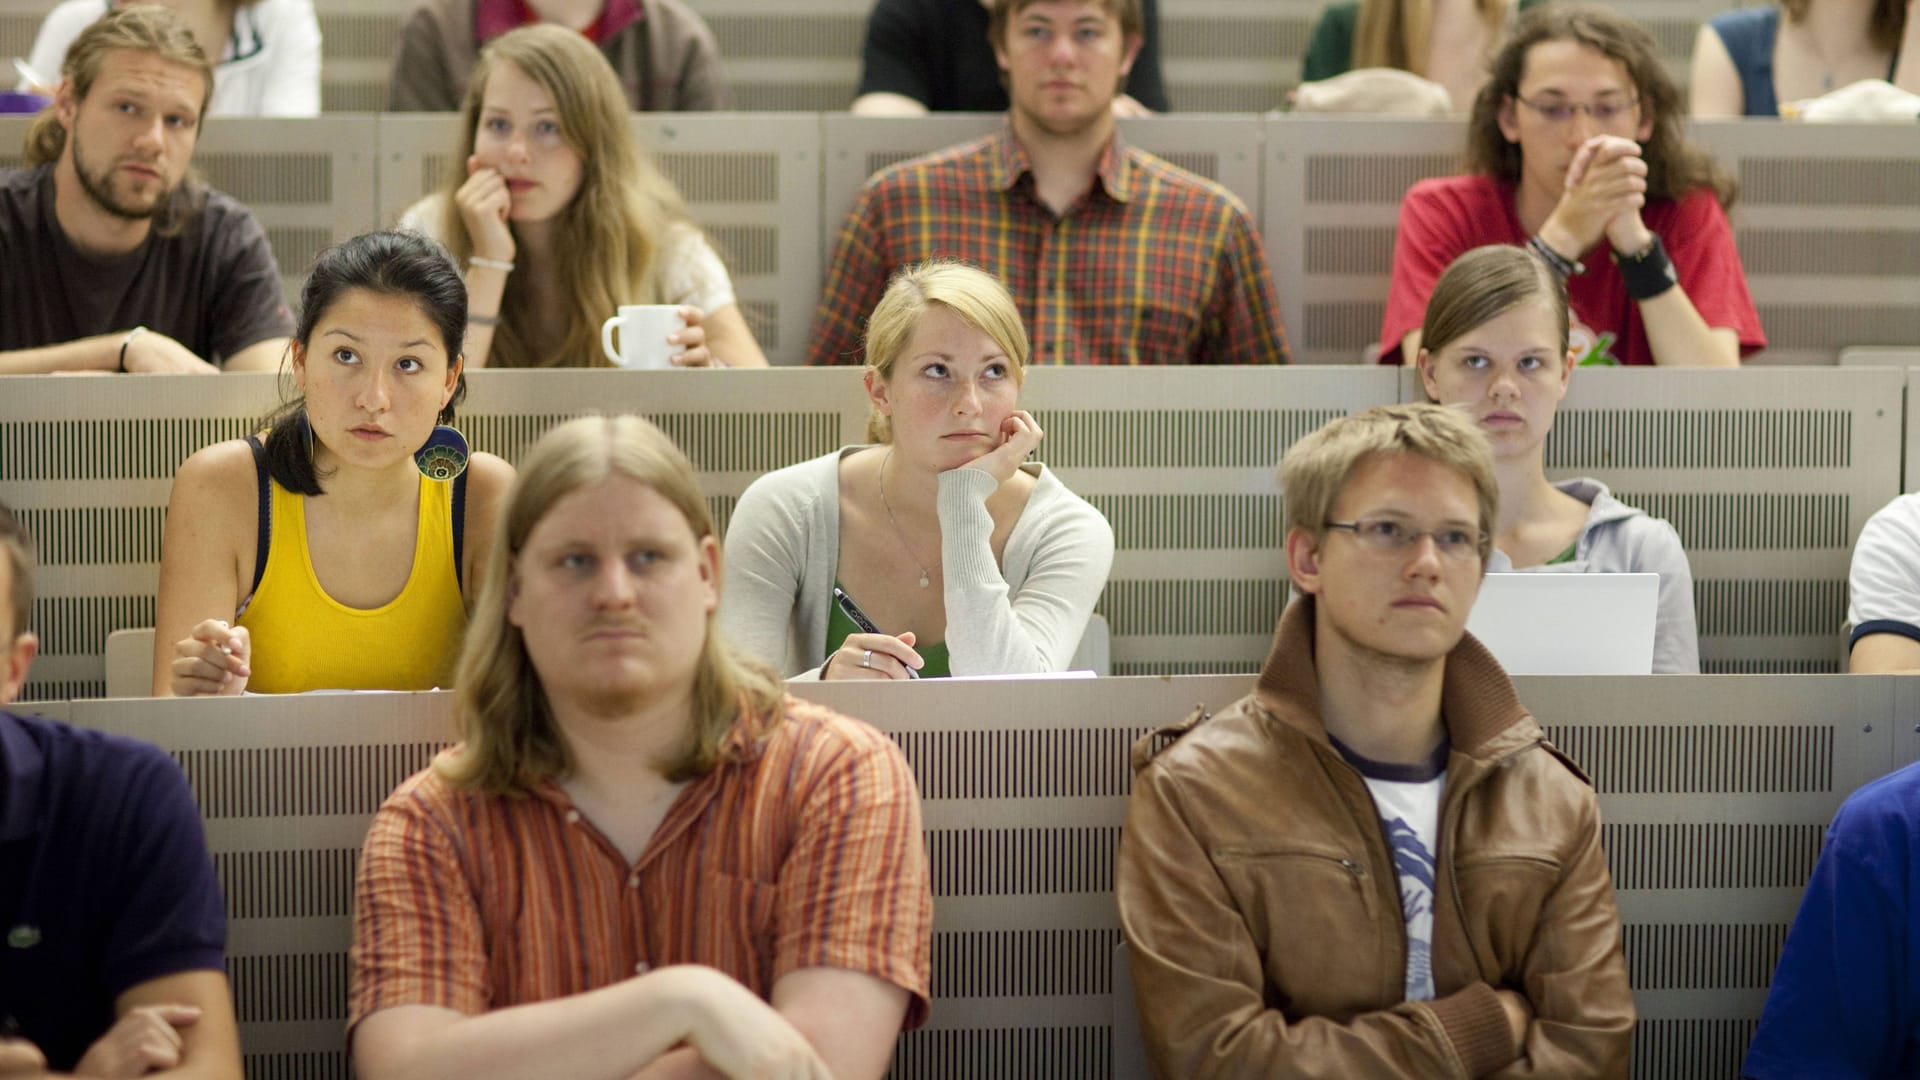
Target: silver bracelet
[126,341]
[501,265]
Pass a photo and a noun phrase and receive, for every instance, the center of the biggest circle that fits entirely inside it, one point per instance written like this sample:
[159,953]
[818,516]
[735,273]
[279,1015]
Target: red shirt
[1443,218]
[491,18]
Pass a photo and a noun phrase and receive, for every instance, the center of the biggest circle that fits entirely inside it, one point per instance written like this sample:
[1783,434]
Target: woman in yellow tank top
[332,554]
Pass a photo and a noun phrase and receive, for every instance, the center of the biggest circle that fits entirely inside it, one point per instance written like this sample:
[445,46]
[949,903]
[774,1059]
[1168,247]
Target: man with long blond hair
[117,260]
[641,858]
[1375,864]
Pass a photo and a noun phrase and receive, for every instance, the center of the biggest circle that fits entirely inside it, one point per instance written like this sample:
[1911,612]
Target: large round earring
[444,456]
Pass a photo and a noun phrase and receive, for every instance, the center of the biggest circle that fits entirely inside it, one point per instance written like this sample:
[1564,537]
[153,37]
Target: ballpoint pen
[852,611]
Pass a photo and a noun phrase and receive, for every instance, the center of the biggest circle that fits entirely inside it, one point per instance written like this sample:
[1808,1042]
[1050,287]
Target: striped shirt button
[641,968]
[573,817]
[633,881]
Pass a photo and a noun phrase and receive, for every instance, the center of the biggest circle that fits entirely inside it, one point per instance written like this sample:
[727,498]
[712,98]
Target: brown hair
[1674,165]
[967,291]
[1001,12]
[1315,470]
[1884,27]
[1396,33]
[610,231]
[147,28]
[17,548]
[1484,284]
[510,742]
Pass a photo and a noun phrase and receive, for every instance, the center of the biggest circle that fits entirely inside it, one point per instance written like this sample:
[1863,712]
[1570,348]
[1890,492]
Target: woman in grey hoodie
[1495,344]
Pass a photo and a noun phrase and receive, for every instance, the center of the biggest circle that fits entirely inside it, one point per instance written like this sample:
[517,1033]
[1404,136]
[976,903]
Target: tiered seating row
[1715,795]
[1216,55]
[1768,474]
[1828,224]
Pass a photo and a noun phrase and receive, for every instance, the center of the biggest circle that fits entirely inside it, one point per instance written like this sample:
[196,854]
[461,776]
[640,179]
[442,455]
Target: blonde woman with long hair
[937,549]
[560,218]
[1446,41]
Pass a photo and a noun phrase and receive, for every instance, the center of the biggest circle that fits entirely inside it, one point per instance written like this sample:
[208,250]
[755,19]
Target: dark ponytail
[389,263]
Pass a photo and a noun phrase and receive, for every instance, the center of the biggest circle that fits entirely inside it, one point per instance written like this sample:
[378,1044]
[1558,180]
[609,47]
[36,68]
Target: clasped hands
[1604,190]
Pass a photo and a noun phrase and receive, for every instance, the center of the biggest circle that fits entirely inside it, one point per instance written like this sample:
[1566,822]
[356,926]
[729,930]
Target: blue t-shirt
[105,880]
[1748,34]
[1845,1000]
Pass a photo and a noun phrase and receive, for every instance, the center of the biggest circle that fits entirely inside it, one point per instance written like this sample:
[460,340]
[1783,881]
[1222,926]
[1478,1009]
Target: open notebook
[1568,624]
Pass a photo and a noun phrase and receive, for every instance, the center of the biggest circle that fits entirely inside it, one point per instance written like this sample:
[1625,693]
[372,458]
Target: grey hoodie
[1622,539]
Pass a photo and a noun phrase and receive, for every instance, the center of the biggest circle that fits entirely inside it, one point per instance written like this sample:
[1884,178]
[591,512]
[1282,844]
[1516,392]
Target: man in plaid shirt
[1115,256]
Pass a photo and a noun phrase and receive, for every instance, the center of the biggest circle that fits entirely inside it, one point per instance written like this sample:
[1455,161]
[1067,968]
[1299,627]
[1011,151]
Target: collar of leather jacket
[1484,717]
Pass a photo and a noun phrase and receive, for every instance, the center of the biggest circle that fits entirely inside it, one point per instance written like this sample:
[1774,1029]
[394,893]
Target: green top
[938,665]
[1330,48]
[1565,556]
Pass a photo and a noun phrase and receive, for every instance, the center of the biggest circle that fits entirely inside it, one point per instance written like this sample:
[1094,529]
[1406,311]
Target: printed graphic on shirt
[1591,348]
[1407,799]
[1414,862]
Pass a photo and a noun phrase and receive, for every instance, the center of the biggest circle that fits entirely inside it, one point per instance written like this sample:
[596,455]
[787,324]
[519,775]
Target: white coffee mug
[643,335]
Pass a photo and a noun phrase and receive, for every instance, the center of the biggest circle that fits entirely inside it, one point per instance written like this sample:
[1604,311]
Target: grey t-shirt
[214,287]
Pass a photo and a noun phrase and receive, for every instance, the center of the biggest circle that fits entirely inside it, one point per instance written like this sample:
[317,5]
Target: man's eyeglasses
[1556,111]
[1388,536]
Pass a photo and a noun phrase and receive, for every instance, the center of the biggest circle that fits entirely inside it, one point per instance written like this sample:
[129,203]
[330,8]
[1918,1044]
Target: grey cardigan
[1621,539]
[783,545]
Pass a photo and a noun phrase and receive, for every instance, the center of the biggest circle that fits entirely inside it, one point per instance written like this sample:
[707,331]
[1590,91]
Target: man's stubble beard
[99,188]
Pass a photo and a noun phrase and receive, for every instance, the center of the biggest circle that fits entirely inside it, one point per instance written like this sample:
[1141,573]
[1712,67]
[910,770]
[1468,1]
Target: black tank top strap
[460,529]
[264,543]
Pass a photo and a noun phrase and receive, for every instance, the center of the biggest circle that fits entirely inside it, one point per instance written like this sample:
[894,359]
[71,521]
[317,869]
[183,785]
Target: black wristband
[1649,273]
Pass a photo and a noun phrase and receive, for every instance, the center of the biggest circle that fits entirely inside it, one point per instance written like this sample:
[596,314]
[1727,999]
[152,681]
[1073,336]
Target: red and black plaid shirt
[1154,265]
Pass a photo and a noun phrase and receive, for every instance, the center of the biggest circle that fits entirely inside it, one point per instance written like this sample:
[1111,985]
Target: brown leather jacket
[1262,908]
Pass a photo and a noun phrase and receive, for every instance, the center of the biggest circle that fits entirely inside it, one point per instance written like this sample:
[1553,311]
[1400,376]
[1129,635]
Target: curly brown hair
[1675,166]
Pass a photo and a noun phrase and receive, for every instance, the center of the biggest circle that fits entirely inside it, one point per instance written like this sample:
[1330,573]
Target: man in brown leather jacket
[1374,865]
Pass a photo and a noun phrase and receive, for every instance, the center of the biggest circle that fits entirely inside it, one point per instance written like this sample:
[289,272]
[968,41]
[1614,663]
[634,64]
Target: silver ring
[867,660]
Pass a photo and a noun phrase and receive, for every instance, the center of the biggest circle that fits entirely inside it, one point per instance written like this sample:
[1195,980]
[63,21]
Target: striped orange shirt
[803,850]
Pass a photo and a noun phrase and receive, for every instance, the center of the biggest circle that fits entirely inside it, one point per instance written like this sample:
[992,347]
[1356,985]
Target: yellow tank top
[304,639]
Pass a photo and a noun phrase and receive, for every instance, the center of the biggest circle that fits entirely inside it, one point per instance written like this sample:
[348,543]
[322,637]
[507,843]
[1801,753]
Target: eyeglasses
[1387,536]
[1559,112]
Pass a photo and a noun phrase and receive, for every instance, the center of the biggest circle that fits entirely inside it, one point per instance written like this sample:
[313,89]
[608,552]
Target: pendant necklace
[926,572]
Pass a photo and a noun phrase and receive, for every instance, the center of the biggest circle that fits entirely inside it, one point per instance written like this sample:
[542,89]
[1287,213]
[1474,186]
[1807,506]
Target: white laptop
[1568,624]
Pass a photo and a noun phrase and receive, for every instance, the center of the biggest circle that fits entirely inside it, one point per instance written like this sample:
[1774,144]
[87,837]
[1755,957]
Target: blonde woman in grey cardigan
[1495,345]
[957,554]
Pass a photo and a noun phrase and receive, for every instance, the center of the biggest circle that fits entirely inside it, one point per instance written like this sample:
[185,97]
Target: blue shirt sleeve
[1843,996]
[168,914]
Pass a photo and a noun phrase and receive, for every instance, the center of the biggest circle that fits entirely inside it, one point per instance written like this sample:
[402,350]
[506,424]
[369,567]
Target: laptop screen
[1568,624]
